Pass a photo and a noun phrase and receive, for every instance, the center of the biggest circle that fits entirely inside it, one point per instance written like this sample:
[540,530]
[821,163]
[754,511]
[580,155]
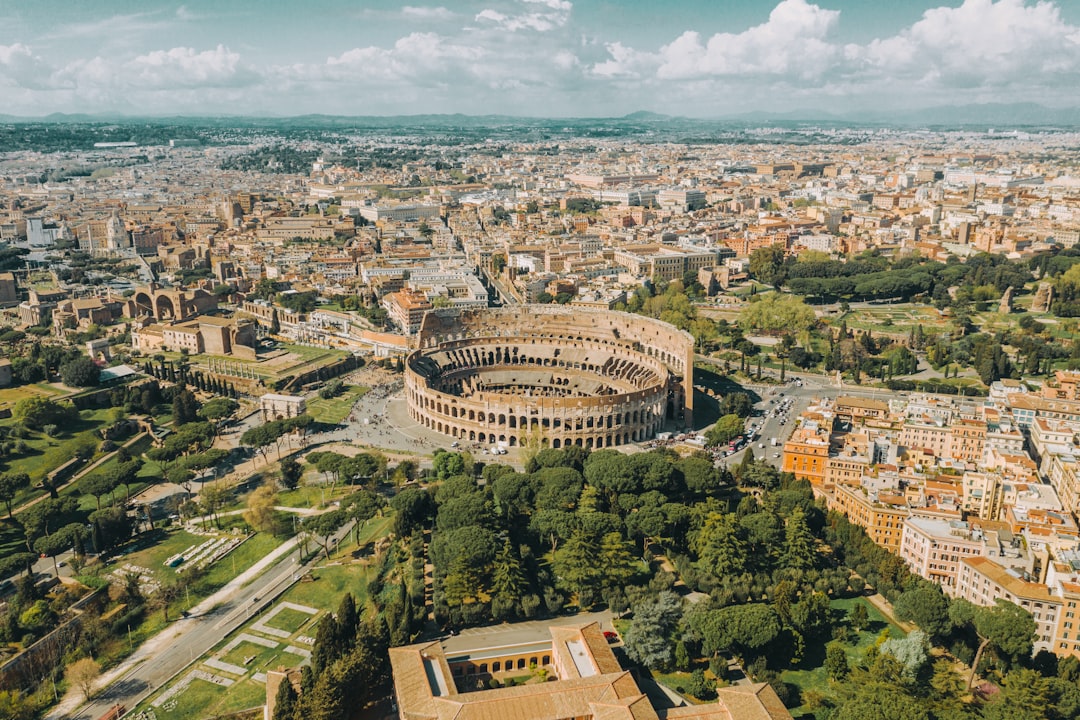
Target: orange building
[806,455]
[967,441]
[882,518]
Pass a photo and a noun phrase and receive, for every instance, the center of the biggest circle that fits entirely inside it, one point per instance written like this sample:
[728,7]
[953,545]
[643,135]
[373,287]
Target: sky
[539,58]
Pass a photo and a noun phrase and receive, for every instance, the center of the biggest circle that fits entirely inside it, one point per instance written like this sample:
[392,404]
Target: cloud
[982,45]
[413,12]
[530,57]
[420,57]
[792,42]
[556,14]
[21,66]
[179,68]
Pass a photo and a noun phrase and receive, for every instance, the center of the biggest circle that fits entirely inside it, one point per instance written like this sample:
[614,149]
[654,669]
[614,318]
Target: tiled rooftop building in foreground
[585,683]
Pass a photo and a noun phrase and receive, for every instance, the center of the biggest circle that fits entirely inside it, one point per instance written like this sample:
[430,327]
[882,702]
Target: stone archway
[164,308]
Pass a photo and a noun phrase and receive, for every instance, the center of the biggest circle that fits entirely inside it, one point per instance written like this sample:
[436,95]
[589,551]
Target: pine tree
[327,646]
[285,701]
[347,621]
[799,552]
[507,583]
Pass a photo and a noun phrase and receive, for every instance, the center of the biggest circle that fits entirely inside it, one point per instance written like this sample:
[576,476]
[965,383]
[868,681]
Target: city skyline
[552,58]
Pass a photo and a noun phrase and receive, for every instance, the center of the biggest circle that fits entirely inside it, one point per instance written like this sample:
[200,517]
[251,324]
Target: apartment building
[406,309]
[933,549]
[983,581]
[882,516]
[806,454]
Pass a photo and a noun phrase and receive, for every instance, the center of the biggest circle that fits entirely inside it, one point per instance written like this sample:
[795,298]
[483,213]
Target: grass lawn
[245,650]
[331,583]
[203,699]
[811,675]
[336,409]
[9,397]
[289,620]
[312,496]
[44,454]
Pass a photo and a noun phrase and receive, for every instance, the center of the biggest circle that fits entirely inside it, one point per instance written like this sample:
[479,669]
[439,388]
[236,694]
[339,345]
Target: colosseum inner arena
[550,375]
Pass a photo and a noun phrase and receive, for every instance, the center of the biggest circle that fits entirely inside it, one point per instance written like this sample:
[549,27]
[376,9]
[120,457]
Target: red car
[611,636]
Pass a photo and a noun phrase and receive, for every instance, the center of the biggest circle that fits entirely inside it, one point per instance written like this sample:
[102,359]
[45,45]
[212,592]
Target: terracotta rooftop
[594,687]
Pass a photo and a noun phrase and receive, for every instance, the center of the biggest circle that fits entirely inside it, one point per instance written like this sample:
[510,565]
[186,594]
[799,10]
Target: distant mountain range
[990,115]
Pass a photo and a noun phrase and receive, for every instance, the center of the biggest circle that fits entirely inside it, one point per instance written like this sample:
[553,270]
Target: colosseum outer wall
[658,356]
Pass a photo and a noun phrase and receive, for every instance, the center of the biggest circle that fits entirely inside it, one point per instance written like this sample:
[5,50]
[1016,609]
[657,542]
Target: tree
[35,412]
[508,583]
[911,652]
[926,606]
[16,706]
[748,628]
[323,527]
[218,409]
[98,486]
[726,429]
[880,701]
[766,263]
[1026,695]
[836,663]
[799,551]
[720,546]
[648,641]
[578,566]
[776,313]
[285,701]
[260,513]
[737,403]
[212,496]
[83,674]
[859,616]
[291,472]
[1005,627]
[80,371]
[10,485]
[185,407]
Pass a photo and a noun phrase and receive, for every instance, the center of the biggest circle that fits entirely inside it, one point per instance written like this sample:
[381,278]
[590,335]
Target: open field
[289,620]
[44,454]
[9,397]
[336,409]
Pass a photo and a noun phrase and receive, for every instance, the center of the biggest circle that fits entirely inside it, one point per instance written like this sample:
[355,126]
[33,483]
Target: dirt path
[886,609]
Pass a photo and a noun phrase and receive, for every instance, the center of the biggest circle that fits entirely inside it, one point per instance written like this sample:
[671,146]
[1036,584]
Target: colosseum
[549,374]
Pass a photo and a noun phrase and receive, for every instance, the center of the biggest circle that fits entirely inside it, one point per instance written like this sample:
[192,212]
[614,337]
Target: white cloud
[792,42]
[979,43]
[555,15]
[1015,45]
[529,57]
[414,12]
[419,57]
[179,68]
[20,65]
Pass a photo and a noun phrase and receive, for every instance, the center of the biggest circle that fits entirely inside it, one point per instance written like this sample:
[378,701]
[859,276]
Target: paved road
[185,640]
